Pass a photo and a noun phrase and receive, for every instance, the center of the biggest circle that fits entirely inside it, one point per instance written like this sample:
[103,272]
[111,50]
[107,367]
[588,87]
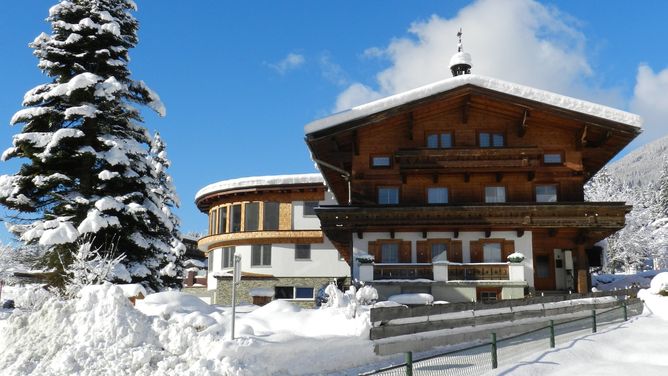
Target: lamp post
[236,278]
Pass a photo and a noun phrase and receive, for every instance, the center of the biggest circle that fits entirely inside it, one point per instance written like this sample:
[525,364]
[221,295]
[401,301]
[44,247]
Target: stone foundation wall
[224,288]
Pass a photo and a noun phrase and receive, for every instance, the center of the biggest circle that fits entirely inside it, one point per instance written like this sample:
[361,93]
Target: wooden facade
[470,141]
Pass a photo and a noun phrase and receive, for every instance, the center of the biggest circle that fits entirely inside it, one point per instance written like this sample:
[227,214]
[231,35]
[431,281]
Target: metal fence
[480,359]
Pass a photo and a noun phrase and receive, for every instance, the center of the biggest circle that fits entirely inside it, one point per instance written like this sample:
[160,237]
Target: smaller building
[271,222]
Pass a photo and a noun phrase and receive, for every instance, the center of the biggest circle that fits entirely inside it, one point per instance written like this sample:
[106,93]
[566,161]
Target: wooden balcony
[402,271]
[469,159]
[478,272]
[455,272]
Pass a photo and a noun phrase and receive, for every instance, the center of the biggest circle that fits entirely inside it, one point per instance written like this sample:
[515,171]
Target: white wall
[522,244]
[300,222]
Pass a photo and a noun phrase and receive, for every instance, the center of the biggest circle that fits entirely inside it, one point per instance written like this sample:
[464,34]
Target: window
[437,195]
[495,194]
[488,296]
[381,161]
[235,221]
[291,292]
[209,257]
[439,140]
[261,255]
[252,217]
[228,257]
[389,253]
[212,221]
[491,252]
[439,252]
[270,219]
[546,193]
[302,252]
[309,208]
[222,220]
[388,195]
[552,158]
[487,140]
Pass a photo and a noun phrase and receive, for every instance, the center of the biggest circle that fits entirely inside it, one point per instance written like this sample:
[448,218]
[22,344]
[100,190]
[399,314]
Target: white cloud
[520,41]
[650,100]
[331,71]
[290,62]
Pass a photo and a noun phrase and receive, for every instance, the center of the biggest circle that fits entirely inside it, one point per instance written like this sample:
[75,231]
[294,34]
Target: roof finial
[460,63]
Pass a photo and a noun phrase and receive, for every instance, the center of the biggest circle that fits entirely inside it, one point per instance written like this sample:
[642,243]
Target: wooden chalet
[440,184]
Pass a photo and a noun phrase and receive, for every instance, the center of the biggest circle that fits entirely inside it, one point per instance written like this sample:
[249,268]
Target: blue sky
[240,80]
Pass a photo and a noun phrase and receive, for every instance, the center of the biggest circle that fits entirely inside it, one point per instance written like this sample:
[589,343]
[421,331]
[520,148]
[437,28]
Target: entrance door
[544,271]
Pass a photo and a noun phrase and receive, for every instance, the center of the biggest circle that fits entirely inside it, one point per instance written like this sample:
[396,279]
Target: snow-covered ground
[101,333]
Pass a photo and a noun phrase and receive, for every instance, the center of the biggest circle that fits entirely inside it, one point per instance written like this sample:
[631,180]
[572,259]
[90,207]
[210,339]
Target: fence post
[626,313]
[495,362]
[593,321]
[551,334]
[409,363]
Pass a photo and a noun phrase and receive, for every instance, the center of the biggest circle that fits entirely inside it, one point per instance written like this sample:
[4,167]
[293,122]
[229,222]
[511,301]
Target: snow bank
[500,86]
[412,298]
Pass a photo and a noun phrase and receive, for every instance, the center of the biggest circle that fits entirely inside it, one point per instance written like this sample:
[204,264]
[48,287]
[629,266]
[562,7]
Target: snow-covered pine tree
[171,263]
[84,151]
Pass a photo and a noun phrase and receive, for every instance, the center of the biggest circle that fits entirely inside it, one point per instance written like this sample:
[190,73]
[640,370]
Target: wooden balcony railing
[478,272]
[468,158]
[402,271]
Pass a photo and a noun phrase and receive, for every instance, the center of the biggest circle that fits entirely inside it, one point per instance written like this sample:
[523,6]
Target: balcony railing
[478,272]
[446,272]
[402,271]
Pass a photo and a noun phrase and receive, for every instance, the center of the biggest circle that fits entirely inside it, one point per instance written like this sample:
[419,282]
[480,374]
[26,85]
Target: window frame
[447,195]
[388,187]
[265,216]
[486,245]
[229,259]
[222,219]
[235,219]
[213,214]
[294,292]
[505,194]
[446,246]
[491,135]
[309,252]
[382,253]
[248,215]
[373,158]
[263,252]
[439,139]
[313,205]
[553,185]
[559,153]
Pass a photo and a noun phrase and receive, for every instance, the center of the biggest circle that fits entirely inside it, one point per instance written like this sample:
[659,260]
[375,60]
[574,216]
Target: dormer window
[491,140]
[439,140]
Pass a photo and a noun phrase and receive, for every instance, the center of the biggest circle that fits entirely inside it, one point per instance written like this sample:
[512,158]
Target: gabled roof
[493,84]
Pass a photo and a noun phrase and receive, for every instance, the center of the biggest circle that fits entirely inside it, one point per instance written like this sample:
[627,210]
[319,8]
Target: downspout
[345,174]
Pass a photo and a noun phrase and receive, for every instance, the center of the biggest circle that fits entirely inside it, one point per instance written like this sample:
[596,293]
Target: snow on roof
[259,181]
[546,97]
[461,58]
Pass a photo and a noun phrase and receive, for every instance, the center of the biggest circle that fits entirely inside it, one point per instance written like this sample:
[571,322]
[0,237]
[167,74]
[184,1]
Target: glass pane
[236,218]
[381,161]
[309,207]
[303,293]
[256,255]
[390,253]
[546,193]
[437,195]
[439,252]
[432,141]
[497,140]
[283,292]
[210,259]
[271,215]
[542,266]
[446,140]
[492,252]
[266,255]
[212,222]
[252,217]
[552,158]
[495,194]
[484,140]
[222,220]
[388,196]
[303,251]
[226,258]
